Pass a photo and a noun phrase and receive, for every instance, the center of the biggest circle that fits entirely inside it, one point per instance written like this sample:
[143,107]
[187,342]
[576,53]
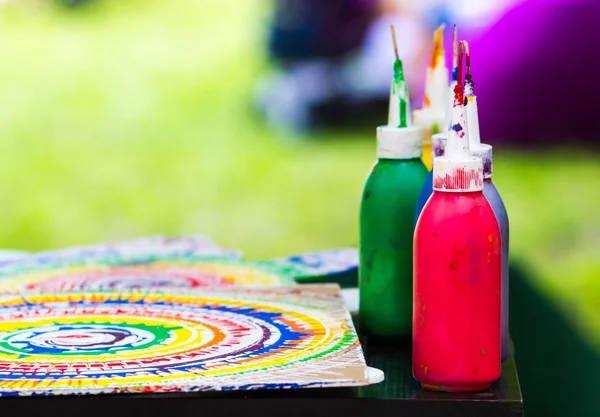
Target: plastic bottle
[457,275]
[386,222]
[490,191]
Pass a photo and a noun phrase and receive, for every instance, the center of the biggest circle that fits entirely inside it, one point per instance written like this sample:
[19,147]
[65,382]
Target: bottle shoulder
[493,196]
[459,207]
[398,169]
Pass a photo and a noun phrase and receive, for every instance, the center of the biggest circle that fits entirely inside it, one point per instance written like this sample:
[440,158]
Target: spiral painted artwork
[144,263]
[152,341]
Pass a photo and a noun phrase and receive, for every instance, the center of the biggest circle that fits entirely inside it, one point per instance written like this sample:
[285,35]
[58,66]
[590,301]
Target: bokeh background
[253,121]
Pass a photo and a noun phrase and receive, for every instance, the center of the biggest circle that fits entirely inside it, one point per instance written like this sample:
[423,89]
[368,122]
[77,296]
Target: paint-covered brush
[454,76]
[386,222]
[490,191]
[433,117]
[457,271]
[399,106]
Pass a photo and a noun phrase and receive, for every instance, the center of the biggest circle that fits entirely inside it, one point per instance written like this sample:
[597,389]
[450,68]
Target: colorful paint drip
[101,342]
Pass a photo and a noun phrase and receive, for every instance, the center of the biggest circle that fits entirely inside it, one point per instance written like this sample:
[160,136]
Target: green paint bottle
[387,222]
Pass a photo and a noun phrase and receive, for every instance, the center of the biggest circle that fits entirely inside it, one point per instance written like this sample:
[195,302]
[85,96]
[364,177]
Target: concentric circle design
[175,272]
[103,342]
[75,339]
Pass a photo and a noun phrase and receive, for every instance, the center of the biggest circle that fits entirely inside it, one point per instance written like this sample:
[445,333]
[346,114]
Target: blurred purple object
[536,72]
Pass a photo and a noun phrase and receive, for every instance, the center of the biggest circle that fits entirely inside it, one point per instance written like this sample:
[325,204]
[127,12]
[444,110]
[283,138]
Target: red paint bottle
[457,274]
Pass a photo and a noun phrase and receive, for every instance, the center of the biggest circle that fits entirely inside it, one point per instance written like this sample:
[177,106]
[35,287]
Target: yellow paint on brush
[437,58]
[437,54]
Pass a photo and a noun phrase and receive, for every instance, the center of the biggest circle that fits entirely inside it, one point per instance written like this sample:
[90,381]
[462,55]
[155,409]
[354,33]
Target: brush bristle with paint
[469,84]
[437,62]
[455,56]
[459,92]
[399,106]
[437,55]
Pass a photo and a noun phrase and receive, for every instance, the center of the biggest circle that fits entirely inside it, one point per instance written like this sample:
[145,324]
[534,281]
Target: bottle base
[458,388]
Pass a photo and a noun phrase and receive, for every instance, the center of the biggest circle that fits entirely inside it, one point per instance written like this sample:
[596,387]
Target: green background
[131,118]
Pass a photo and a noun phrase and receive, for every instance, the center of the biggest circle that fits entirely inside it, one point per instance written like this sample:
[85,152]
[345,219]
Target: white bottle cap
[399,142]
[482,151]
[457,170]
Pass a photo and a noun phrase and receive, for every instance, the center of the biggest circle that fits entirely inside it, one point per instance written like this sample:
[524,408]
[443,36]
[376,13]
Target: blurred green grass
[134,118]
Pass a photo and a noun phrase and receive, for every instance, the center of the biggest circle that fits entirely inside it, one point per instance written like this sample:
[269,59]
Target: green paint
[161,335]
[400,89]
[385,274]
[435,129]
[348,339]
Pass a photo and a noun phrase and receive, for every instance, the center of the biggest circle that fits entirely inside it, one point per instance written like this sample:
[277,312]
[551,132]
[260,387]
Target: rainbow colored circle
[107,342]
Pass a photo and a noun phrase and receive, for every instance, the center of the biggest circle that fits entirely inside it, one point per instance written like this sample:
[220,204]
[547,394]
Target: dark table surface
[399,396]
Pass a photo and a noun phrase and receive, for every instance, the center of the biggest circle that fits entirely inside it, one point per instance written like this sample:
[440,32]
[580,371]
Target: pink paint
[457,293]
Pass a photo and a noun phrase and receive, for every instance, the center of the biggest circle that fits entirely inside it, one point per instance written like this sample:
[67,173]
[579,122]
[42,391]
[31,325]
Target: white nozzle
[434,117]
[436,88]
[394,106]
[473,121]
[394,142]
[449,103]
[478,149]
[457,170]
[458,135]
